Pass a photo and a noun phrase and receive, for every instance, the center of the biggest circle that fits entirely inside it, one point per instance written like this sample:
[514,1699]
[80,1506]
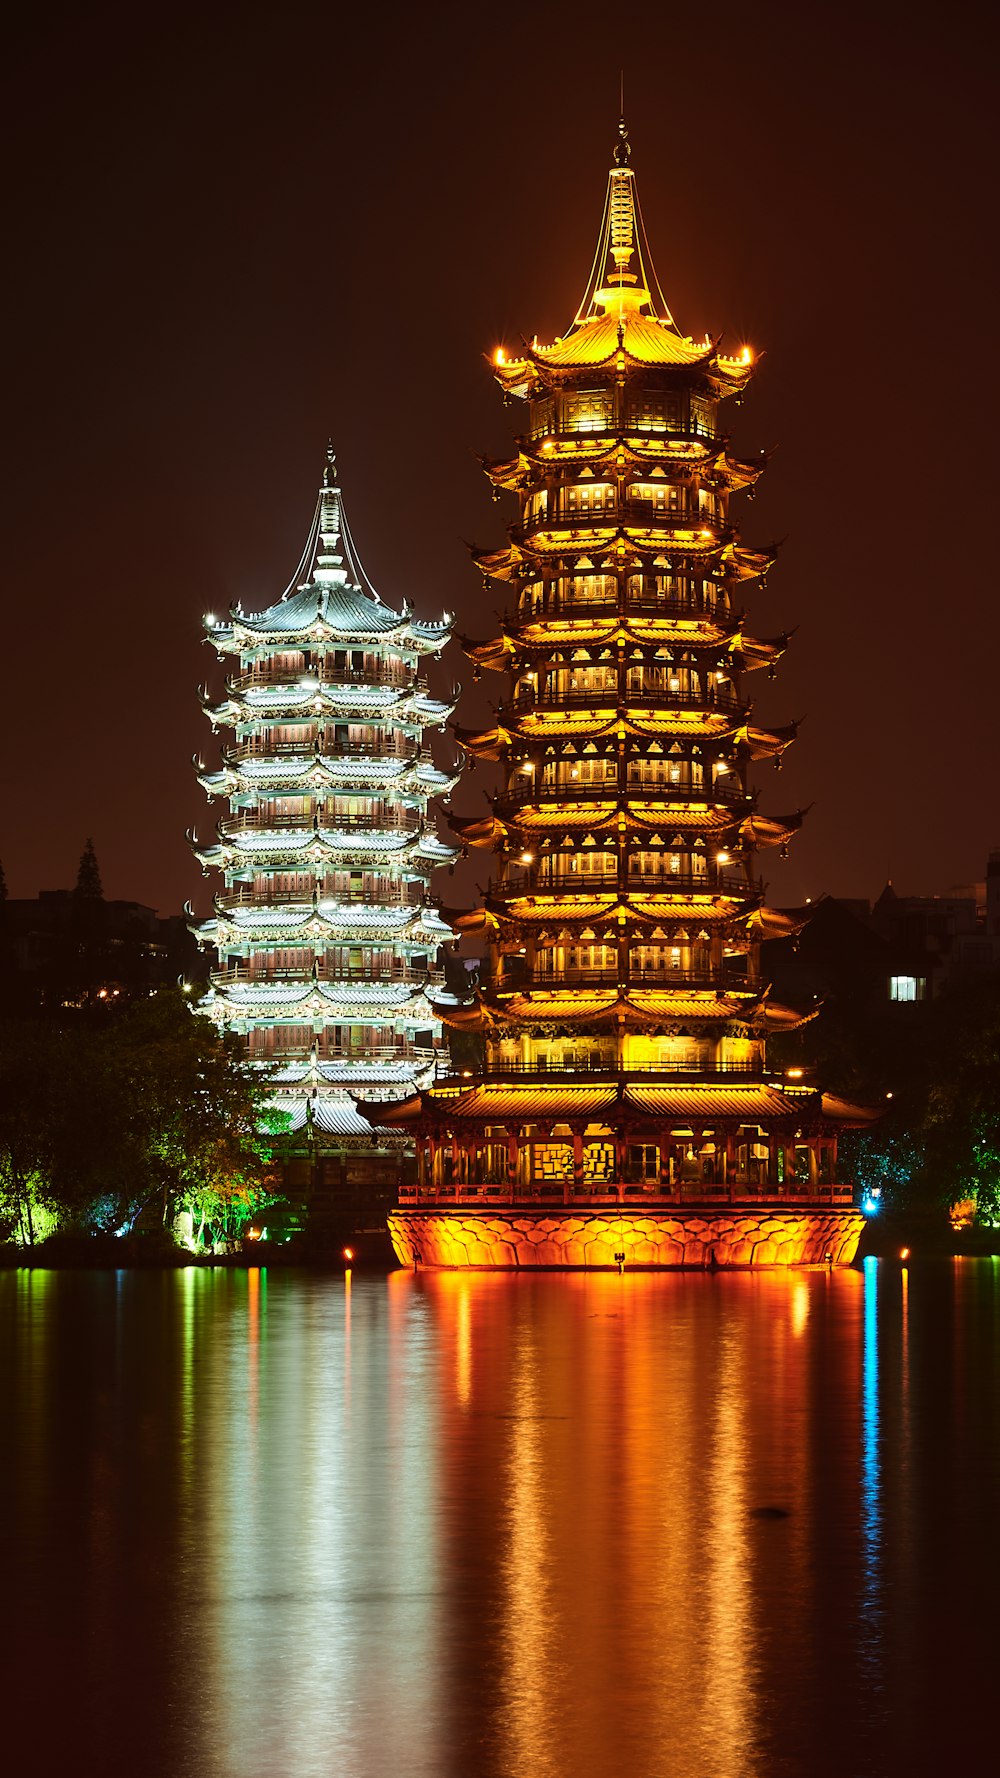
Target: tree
[935,1067]
[31,1059]
[191,1109]
[103,1124]
[88,876]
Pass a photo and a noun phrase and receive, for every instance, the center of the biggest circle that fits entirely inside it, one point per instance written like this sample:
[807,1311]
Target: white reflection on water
[320,1534]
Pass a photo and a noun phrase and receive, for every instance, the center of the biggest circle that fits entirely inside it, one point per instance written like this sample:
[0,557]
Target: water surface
[685,1526]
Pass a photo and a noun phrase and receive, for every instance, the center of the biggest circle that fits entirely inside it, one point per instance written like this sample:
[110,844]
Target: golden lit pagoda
[625,1112]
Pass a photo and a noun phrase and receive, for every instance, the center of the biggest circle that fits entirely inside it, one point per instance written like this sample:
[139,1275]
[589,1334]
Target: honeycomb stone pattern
[521,1239]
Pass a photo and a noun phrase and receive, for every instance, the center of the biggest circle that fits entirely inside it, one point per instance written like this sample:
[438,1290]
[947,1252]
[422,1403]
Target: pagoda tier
[326,938]
[623,1017]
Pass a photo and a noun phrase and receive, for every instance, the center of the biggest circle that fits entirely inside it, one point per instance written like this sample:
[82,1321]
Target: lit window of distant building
[907,987]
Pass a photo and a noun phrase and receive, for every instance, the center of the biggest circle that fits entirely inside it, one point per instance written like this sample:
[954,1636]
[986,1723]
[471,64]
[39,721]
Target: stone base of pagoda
[578,1240]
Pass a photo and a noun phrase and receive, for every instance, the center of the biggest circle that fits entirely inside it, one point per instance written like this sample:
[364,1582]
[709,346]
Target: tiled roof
[645,339]
[335,1117]
[344,608]
[748,1102]
[557,1100]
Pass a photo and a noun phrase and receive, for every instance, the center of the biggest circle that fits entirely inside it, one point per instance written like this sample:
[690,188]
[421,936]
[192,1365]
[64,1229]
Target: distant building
[901,948]
[60,950]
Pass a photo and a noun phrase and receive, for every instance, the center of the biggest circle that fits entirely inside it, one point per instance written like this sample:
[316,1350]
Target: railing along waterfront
[649,1192]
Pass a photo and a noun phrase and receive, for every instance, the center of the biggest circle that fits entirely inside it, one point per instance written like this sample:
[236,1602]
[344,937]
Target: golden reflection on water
[529,1630]
[625,1416]
[727,1701]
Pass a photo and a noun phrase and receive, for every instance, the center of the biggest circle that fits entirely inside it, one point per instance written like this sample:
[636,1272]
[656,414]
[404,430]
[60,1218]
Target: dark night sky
[232,232]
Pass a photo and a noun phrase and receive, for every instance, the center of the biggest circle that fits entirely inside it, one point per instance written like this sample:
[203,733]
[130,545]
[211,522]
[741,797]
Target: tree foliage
[933,1068]
[105,1124]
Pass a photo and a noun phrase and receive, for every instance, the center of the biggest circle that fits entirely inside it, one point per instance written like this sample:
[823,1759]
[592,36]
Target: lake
[552,1526]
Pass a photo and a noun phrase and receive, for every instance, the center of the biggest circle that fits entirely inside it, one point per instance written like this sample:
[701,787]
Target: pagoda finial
[330,472]
[623,147]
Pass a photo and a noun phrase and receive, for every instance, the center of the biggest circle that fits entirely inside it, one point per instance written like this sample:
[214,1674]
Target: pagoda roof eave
[548,725]
[628,340]
[771,830]
[501,653]
[583,909]
[636,450]
[619,1099]
[331,606]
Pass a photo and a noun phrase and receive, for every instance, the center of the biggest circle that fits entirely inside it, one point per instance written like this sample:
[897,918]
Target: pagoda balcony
[260,748]
[709,529]
[420,1055]
[379,821]
[386,895]
[613,1070]
[258,678]
[396,971]
[525,788]
[633,430]
[649,602]
[714,697]
[632,976]
[717,882]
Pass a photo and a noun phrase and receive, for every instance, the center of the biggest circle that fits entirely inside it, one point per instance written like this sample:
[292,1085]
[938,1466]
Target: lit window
[907,987]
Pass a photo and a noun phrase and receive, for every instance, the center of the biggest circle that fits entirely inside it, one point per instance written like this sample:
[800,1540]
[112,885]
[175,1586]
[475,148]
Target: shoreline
[885,1237]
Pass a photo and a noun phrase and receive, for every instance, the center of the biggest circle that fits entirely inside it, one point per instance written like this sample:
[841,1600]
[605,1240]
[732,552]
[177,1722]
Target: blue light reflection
[871,1470]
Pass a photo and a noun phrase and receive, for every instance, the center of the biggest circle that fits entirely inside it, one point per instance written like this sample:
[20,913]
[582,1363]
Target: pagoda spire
[623,279]
[330,557]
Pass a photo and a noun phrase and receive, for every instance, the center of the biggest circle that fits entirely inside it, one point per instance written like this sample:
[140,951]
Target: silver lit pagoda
[326,940]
